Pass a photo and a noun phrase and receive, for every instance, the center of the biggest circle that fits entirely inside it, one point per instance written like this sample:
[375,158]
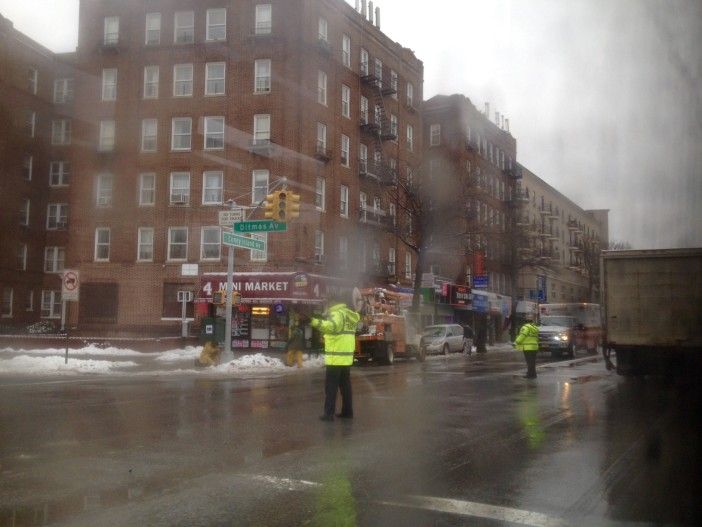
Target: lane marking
[478,510]
[285,483]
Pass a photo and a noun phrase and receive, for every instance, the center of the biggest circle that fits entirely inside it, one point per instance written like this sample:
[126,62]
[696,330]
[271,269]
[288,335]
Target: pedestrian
[528,341]
[338,326]
[296,341]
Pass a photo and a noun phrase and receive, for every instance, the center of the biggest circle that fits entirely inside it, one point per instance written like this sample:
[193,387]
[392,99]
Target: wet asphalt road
[452,441]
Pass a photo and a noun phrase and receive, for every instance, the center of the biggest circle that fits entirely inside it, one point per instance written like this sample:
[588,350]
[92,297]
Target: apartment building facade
[35,174]
[187,105]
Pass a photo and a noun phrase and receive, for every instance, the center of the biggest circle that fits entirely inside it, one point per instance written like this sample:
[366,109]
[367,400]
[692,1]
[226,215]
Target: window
[259,185]
[180,188]
[31,123]
[344,201]
[7,294]
[392,213]
[181,131]
[393,83]
[345,150]
[264,19]
[29,305]
[27,167]
[22,257]
[393,126]
[145,244]
[184,27]
[435,135]
[378,69]
[363,157]
[147,188]
[56,216]
[321,138]
[109,84]
[318,246]
[104,190]
[363,202]
[51,304]
[153,29]
[410,137]
[214,133]
[262,76]
[215,80]
[63,90]
[319,191]
[106,141]
[363,67]
[54,259]
[343,252]
[378,115]
[61,132]
[262,129]
[345,101]
[216,24]
[346,51]
[322,30]
[408,265]
[151,74]
[183,80]
[212,187]
[111,31]
[149,138]
[24,212]
[102,244]
[410,94]
[210,243]
[177,243]
[32,80]
[322,88]
[259,256]
[364,110]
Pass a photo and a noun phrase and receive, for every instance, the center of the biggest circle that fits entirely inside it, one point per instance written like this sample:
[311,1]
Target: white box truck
[652,302]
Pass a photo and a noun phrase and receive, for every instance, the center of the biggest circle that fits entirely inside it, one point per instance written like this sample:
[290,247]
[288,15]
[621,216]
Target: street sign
[480,281]
[260,226]
[227,217]
[70,285]
[229,238]
[188,270]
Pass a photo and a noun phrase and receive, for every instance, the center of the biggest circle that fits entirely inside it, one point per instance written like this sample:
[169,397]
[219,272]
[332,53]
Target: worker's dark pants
[338,378]
[530,357]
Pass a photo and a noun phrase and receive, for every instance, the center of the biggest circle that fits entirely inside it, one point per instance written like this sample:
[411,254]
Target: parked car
[445,338]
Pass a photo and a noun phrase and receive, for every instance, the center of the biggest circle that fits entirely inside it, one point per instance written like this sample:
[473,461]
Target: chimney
[487,110]
[363,8]
[507,125]
[356,6]
[502,124]
[497,118]
[377,17]
[370,12]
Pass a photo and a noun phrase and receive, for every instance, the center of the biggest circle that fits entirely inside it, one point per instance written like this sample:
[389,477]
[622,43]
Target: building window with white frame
[318,246]
[54,259]
[106,142]
[22,257]
[32,80]
[151,77]
[262,76]
[262,129]
[392,212]
[63,91]
[346,50]
[102,244]
[145,244]
[319,194]
[149,135]
[410,137]
[364,110]
[104,190]
[393,126]
[7,295]
[177,243]
[259,256]
[322,87]
[56,216]
[147,189]
[435,135]
[210,243]
[61,132]
[264,19]
[29,305]
[393,83]
[153,29]
[51,304]
[212,191]
[378,69]
[181,133]
[31,123]
[345,150]
[322,30]
[259,185]
[322,138]
[343,252]
[345,101]
[215,78]
[216,25]
[27,167]
[109,84]
[24,212]
[410,94]
[214,133]
[110,36]
[180,188]
[408,265]
[184,27]
[183,80]
[363,62]
[344,201]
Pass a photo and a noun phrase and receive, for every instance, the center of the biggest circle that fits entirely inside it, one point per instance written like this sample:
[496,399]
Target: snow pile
[56,365]
[256,362]
[89,350]
[189,353]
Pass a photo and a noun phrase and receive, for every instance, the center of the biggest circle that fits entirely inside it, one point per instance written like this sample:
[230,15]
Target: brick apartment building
[185,105]
[35,173]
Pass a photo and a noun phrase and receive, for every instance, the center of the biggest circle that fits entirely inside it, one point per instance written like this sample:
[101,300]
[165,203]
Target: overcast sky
[603,96]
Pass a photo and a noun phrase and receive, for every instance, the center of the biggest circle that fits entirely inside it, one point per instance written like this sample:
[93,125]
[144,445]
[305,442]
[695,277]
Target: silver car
[445,338]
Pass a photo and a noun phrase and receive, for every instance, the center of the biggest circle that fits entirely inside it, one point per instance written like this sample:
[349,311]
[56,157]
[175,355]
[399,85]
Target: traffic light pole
[228,355]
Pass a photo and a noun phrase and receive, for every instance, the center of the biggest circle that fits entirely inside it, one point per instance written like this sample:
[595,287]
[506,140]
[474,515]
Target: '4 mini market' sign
[269,286]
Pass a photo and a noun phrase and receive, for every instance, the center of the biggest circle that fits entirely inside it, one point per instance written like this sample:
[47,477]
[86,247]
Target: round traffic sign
[70,281]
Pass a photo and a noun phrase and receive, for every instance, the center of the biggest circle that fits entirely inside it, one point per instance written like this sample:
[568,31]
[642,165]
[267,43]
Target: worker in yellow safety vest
[528,342]
[338,326]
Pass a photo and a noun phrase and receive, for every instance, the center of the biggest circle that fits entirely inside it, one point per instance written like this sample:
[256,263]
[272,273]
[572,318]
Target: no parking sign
[70,285]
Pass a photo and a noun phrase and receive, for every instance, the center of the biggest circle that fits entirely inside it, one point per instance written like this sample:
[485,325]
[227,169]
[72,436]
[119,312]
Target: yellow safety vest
[339,330]
[528,338]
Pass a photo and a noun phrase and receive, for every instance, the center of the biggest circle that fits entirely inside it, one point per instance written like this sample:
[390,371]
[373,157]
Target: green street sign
[260,226]
[232,239]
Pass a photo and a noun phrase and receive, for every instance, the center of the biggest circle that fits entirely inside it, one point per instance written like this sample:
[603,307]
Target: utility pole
[228,306]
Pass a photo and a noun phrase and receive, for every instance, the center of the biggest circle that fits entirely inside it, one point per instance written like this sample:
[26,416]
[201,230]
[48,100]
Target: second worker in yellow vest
[528,342]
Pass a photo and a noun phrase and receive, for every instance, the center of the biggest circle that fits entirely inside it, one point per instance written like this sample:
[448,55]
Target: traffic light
[271,205]
[293,205]
[219,298]
[281,206]
[236,298]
